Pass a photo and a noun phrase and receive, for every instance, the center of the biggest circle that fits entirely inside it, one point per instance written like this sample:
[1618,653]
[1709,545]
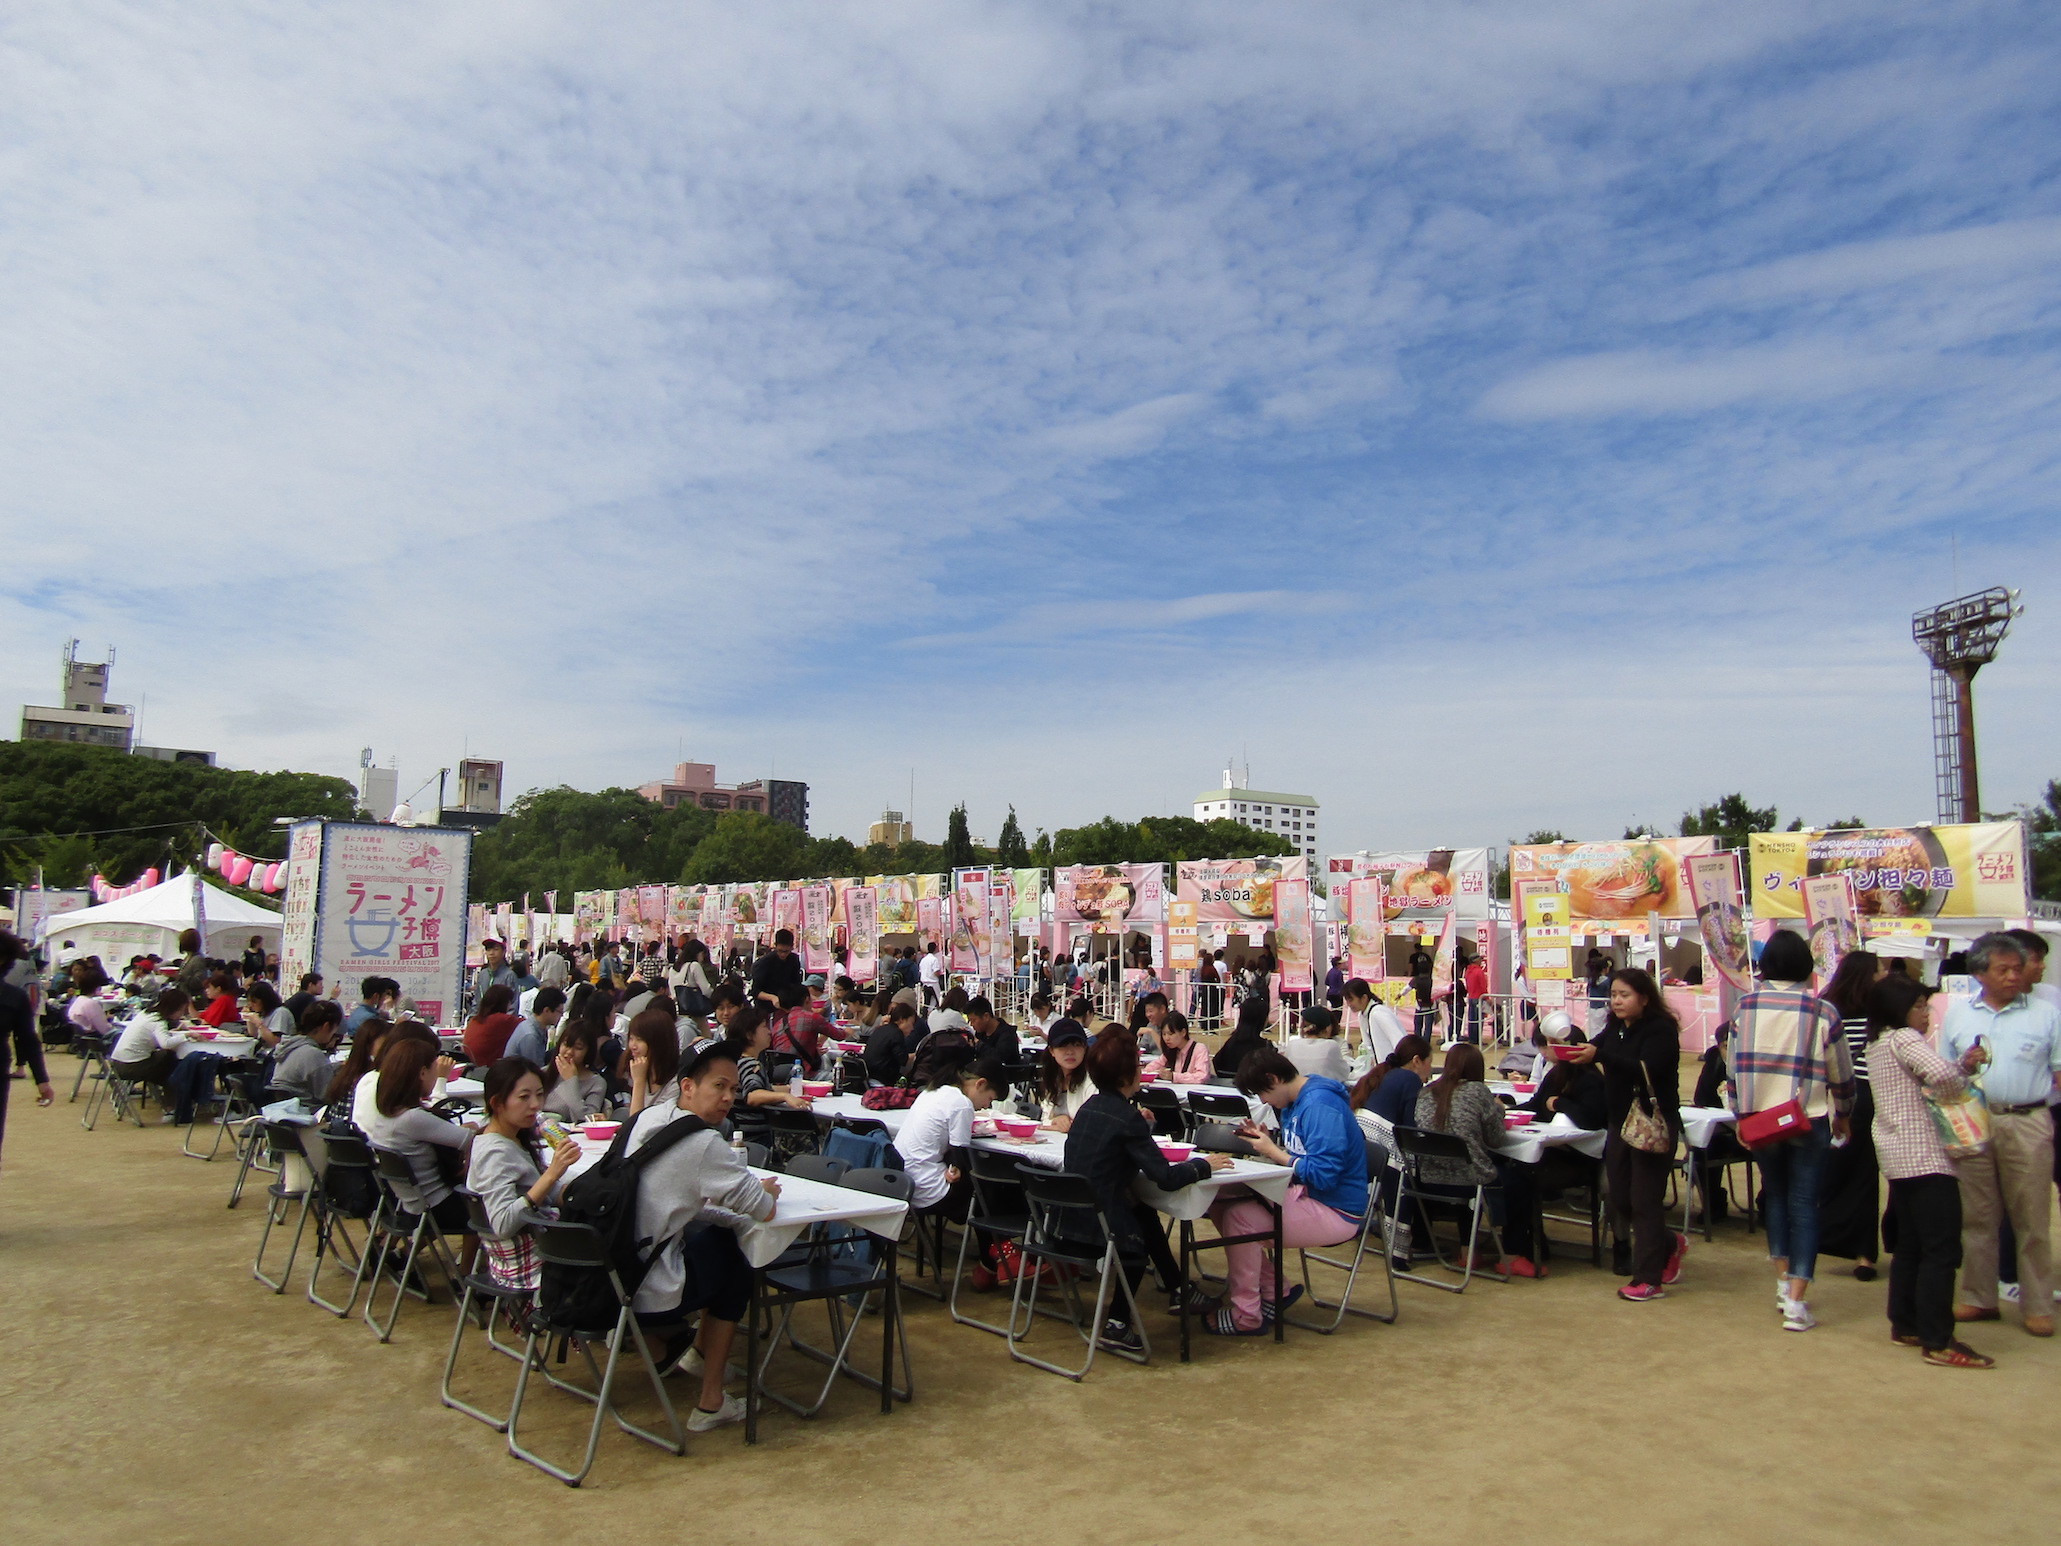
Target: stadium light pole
[1960,637]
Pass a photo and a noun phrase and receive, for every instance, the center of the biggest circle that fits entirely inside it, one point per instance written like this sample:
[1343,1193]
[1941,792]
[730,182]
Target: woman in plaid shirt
[1924,1193]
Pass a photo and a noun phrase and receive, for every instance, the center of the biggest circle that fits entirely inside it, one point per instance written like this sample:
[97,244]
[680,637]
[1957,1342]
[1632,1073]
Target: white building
[1293,816]
[85,715]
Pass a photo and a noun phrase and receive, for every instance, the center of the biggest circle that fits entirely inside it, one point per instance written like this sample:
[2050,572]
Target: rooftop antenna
[1960,637]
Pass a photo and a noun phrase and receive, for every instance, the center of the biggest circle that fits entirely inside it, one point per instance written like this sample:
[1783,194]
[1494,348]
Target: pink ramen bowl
[1176,1152]
[815,1089]
[1010,1128]
[599,1131]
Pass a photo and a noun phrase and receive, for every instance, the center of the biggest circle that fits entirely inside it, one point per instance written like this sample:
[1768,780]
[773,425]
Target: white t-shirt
[1380,1030]
[927,970]
[939,1120]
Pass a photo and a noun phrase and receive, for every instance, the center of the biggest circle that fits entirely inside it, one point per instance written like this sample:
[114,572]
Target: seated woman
[888,1042]
[1458,1103]
[1389,1089]
[433,1147]
[653,1042]
[266,1016]
[1570,1090]
[939,1126]
[366,1046]
[798,1031]
[148,1048]
[1043,1015]
[1248,1036]
[1187,1060]
[493,1021]
[87,1013]
[1110,1143]
[509,1171]
[1315,1048]
[1063,1083]
[577,1091]
[218,1002]
[746,1042]
[1327,1196]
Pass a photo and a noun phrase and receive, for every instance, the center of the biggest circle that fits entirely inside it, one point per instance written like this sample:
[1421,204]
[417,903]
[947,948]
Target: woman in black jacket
[1109,1144]
[1640,1052]
[1247,1036]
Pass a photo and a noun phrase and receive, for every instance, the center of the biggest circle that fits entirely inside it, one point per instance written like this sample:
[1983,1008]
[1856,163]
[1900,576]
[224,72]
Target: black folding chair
[1163,1106]
[1373,1233]
[500,1301]
[350,1191]
[1449,1200]
[577,1248]
[1210,1106]
[296,1184]
[1000,1209]
[421,1237]
[1069,1234]
[792,1132]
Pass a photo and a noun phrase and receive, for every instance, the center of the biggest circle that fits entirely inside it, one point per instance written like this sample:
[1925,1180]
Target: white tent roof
[170,906]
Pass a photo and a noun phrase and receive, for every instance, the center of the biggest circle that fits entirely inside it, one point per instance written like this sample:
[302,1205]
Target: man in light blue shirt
[532,1038]
[2020,1037]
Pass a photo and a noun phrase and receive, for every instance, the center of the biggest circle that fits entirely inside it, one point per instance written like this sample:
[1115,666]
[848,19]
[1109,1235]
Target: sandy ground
[152,1390]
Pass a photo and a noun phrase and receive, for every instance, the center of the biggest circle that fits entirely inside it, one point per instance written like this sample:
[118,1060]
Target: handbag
[1961,1121]
[1646,1130]
[1776,1124]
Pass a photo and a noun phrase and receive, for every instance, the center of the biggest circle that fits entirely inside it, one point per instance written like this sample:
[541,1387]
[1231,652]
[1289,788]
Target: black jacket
[1654,1040]
[886,1051]
[999,1044]
[1580,1090]
[1109,1142]
[769,974]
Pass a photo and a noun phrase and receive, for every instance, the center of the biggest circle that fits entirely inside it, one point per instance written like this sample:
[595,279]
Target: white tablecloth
[1701,1123]
[1190,1202]
[1528,1145]
[849,1106]
[801,1204]
[222,1046]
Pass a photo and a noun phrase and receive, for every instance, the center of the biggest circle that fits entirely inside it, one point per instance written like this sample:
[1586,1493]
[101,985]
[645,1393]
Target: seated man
[697,1263]
[1327,1198]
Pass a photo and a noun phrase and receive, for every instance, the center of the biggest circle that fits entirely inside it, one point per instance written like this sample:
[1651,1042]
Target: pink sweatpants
[1304,1222]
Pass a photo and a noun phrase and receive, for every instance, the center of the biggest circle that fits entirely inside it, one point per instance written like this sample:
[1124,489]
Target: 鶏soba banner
[1626,879]
[1425,883]
[1235,890]
[1977,870]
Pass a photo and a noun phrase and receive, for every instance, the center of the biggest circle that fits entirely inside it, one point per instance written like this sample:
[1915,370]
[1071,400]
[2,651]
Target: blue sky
[1481,417]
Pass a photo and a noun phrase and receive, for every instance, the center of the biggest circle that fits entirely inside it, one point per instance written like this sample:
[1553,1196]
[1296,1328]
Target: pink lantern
[239,870]
[221,861]
[273,873]
[149,879]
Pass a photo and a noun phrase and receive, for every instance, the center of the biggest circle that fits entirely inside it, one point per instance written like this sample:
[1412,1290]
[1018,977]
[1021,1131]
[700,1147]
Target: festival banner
[504,923]
[1977,870]
[1715,893]
[1183,935]
[862,915]
[476,932]
[1832,921]
[1292,935]
[1620,881]
[1026,906]
[744,905]
[814,934]
[1366,928]
[390,902]
[1001,946]
[302,901]
[1111,897]
[930,917]
[1548,945]
[1235,890]
[586,917]
[1444,957]
[1423,882]
[787,911]
[968,921]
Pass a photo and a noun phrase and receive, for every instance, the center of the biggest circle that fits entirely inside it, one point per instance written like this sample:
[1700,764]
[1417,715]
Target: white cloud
[1650,384]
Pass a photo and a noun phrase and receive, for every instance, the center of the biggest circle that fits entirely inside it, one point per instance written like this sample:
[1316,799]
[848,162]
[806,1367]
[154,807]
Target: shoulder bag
[1646,1130]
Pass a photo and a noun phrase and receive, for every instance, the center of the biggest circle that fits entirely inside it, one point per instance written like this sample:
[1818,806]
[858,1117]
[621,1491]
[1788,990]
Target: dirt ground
[152,1389]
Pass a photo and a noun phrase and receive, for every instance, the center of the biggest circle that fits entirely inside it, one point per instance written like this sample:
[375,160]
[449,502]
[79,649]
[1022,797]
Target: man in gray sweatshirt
[688,1201]
[302,1062]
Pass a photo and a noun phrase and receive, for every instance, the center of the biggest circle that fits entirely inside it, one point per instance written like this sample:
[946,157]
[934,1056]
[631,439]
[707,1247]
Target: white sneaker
[692,1364]
[1782,1292]
[1796,1315]
[2008,1291]
[731,1411]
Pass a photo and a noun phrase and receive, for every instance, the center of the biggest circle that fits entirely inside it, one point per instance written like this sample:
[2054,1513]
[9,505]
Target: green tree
[81,810]
[568,840]
[1161,839]
[747,845]
[1729,820]
[959,850]
[2043,837]
[1011,851]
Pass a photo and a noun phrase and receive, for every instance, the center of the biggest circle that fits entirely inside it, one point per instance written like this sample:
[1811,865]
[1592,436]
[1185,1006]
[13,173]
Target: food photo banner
[1294,945]
[1832,921]
[1235,890]
[1720,905]
[1618,881]
[1110,898]
[1425,882]
[1366,928]
[1975,870]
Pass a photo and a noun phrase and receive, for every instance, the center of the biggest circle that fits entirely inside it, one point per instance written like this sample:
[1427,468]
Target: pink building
[694,783]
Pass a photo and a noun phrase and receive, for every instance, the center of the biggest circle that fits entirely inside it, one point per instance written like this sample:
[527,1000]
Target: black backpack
[605,1199]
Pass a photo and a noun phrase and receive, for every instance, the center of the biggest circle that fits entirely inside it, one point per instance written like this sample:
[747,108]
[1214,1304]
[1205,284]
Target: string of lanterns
[105,890]
[266,875]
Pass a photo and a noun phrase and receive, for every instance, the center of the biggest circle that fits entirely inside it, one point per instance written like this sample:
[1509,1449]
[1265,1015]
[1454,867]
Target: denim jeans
[1790,1171]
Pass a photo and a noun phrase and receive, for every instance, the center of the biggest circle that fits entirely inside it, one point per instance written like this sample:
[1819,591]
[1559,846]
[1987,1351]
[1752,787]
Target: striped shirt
[1789,1044]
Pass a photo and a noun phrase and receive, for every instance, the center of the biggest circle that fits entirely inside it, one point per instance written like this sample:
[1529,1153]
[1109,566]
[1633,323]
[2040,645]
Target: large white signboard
[365,900]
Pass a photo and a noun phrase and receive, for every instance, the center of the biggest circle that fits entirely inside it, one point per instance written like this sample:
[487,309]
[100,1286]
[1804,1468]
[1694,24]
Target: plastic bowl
[1525,1089]
[1010,1127]
[202,1035]
[599,1131]
[1517,1119]
[1176,1152]
[809,1088]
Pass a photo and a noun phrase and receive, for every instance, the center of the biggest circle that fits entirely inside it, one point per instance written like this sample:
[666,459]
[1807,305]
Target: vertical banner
[1183,936]
[504,923]
[651,913]
[929,919]
[1292,942]
[390,902]
[1027,900]
[1548,938]
[303,889]
[1716,894]
[969,922]
[476,932]
[1366,929]
[787,912]
[1443,957]
[862,908]
[1001,945]
[815,929]
[1831,912]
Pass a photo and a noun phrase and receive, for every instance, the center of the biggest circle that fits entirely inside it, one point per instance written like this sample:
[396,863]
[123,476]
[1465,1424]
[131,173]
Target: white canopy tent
[150,922]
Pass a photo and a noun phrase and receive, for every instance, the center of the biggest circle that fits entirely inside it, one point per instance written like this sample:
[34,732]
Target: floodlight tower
[1960,637]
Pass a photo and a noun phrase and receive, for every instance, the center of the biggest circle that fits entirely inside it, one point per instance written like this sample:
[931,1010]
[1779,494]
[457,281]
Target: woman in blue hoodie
[1326,1202]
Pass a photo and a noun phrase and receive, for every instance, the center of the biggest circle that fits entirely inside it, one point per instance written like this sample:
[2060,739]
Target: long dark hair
[1463,1064]
[1847,992]
[497,1000]
[1891,1001]
[400,1075]
[578,1034]
[1648,990]
[1407,1051]
[1053,1080]
[499,1084]
[366,1047]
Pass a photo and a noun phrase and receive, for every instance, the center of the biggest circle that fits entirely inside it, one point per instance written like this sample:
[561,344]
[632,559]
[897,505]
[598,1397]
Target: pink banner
[969,921]
[930,919]
[815,928]
[787,912]
[1292,940]
[862,908]
[1716,895]
[1366,929]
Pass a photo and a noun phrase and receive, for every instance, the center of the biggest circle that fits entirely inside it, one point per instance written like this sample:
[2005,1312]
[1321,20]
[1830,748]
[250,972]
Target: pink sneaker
[1674,1260]
[1640,1293]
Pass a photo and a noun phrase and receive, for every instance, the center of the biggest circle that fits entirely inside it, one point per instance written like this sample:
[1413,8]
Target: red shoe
[1524,1267]
[1673,1274]
[983,1278]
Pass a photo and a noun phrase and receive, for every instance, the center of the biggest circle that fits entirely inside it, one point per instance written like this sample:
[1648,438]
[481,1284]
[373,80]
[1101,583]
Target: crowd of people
[1851,1075]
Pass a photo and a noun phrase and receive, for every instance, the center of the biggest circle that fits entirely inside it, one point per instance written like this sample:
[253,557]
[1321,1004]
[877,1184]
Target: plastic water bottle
[794,1080]
[737,1146]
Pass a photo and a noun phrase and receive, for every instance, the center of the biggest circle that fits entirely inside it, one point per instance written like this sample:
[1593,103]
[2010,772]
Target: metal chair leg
[273,1217]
